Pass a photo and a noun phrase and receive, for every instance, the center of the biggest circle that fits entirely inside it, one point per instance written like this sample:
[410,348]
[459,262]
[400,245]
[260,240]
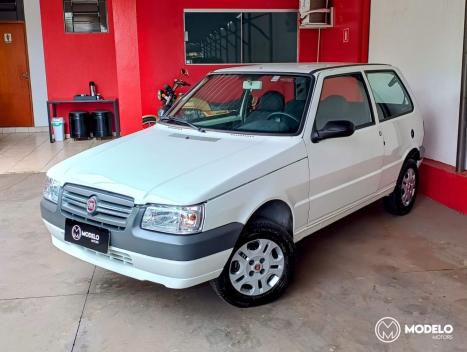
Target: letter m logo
[387,330]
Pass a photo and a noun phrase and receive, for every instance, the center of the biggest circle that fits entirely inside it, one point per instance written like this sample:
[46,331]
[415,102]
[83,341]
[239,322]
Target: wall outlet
[7,38]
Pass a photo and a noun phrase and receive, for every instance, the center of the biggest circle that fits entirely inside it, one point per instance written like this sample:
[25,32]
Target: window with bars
[240,37]
[85,16]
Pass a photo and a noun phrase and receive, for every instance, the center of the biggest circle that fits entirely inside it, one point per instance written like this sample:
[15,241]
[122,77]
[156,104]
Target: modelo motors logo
[388,330]
[438,332]
[77,233]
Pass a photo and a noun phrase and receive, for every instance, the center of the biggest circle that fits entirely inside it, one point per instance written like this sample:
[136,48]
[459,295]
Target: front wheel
[260,267]
[401,201]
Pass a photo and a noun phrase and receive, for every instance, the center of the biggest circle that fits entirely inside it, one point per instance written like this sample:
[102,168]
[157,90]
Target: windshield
[252,103]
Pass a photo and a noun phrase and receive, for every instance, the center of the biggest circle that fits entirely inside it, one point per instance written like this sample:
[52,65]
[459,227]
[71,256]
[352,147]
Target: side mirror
[333,129]
[184,72]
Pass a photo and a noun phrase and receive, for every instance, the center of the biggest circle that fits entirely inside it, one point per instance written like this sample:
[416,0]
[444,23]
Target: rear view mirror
[252,85]
[333,129]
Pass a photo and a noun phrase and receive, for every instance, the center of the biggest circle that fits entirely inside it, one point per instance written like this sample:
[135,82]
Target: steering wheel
[283,114]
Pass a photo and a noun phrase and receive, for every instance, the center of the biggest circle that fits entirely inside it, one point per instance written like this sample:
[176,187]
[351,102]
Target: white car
[249,162]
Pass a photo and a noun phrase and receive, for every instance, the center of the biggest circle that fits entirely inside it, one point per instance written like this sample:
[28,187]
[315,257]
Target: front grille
[113,255]
[112,210]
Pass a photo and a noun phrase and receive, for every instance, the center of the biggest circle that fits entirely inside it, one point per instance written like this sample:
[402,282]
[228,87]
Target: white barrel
[58,124]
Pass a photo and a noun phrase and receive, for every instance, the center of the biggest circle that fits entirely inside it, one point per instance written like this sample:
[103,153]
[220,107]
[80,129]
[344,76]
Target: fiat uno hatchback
[249,162]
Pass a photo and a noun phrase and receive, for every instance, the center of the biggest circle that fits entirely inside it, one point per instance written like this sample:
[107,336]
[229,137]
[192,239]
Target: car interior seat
[332,108]
[295,108]
[271,101]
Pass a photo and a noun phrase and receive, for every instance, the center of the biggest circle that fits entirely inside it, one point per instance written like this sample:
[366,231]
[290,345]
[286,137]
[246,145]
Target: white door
[395,112]
[344,171]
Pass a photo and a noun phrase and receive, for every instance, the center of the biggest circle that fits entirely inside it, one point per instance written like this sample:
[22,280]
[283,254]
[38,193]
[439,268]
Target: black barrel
[79,125]
[101,123]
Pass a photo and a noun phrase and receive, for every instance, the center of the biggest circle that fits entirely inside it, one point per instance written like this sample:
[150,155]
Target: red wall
[150,49]
[161,46]
[74,59]
[350,15]
[128,64]
[441,183]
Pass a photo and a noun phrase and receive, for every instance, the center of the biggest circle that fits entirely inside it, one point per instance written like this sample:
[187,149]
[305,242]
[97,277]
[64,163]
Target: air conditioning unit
[316,14]
[11,10]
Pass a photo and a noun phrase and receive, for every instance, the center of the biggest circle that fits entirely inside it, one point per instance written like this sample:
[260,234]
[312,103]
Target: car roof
[290,67]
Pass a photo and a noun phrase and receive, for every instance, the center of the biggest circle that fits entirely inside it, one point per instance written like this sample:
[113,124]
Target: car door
[395,111]
[345,171]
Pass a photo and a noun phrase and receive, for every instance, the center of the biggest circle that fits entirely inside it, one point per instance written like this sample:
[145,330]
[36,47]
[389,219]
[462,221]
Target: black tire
[394,203]
[265,230]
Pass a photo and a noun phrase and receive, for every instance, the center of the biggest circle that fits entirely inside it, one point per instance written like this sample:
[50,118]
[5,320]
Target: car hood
[172,165]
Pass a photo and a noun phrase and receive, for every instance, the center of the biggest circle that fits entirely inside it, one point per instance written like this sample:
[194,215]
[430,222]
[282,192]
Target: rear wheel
[401,201]
[260,267]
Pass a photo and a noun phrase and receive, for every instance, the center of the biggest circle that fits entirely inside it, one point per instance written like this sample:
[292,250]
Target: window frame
[217,10]
[306,110]
[366,88]
[88,32]
[404,88]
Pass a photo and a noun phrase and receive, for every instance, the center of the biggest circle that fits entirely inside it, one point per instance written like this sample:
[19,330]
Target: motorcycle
[168,96]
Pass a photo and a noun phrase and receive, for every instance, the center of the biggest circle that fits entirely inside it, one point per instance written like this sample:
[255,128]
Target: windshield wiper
[182,122]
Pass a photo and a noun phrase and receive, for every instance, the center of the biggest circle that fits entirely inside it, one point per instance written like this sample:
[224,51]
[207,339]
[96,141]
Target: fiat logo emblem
[91,205]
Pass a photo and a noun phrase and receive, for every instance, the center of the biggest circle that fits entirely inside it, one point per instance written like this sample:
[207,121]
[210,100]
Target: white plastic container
[58,124]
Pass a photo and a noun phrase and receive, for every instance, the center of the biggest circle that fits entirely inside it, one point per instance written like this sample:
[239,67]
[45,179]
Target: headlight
[173,219]
[51,190]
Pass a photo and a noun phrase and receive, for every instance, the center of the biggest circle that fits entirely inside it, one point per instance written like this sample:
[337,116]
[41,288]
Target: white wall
[36,61]
[424,38]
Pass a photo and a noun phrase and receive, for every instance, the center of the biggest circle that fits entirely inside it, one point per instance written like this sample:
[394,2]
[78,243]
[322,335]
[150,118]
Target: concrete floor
[365,267]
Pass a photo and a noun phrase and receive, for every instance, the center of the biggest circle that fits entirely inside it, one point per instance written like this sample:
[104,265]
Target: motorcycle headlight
[51,190]
[173,219]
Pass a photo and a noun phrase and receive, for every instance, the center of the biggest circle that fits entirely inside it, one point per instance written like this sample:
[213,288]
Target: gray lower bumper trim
[160,245]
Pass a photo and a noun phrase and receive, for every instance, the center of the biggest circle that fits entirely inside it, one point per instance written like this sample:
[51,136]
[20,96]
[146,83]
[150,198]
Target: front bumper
[171,260]
[170,273]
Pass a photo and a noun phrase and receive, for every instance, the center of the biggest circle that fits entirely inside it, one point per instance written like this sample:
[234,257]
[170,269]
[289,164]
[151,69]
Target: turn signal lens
[51,190]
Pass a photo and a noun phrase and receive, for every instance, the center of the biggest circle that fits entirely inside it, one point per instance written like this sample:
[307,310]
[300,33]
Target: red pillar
[365,41]
[128,64]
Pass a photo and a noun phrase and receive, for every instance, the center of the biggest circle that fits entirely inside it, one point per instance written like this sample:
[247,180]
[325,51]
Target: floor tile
[32,152]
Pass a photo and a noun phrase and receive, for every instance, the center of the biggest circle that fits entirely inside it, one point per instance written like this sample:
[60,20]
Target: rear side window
[344,97]
[391,97]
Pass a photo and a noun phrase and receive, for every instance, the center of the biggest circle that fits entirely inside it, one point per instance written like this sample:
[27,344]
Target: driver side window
[344,97]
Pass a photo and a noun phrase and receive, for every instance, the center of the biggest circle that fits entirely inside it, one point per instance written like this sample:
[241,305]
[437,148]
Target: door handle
[25,75]
[380,133]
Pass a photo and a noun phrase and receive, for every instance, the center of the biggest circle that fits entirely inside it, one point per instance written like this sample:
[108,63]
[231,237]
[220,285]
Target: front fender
[289,184]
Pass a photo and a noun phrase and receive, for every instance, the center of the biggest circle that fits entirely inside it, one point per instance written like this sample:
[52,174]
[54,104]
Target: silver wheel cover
[409,186]
[256,267]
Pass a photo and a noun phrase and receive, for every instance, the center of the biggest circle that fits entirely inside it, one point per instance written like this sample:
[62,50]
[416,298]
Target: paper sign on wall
[7,38]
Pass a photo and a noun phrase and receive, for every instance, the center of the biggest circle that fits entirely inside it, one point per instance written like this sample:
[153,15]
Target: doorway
[15,87]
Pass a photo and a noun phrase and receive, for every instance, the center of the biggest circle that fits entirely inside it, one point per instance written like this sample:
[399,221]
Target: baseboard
[441,183]
[23,129]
